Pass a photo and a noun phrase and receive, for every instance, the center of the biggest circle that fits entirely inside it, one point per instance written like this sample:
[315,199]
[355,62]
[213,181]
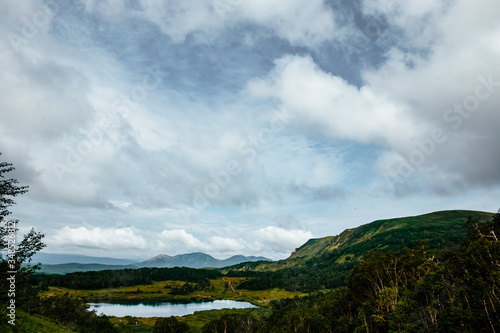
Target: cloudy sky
[245,127]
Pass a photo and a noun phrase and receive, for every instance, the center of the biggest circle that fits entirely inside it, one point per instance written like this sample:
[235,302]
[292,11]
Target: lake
[164,309]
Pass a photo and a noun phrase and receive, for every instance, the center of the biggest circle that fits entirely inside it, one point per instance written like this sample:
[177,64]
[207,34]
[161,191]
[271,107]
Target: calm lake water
[164,309]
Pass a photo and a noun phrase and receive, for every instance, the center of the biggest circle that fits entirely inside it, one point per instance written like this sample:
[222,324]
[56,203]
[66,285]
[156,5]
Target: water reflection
[164,309]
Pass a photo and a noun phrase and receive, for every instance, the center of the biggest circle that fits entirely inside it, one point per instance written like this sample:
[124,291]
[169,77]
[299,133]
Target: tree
[32,242]
[15,288]
[170,325]
[232,323]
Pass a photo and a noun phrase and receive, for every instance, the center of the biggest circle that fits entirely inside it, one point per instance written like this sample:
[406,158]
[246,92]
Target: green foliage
[233,323]
[439,230]
[170,325]
[130,324]
[8,188]
[325,263]
[26,323]
[185,289]
[72,312]
[15,285]
[32,242]
[188,288]
[413,290]
[300,279]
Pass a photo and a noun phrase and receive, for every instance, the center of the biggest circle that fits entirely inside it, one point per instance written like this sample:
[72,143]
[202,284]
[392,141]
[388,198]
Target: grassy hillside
[36,323]
[439,230]
[324,263]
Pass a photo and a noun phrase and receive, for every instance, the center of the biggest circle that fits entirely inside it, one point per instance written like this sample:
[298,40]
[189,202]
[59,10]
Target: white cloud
[331,105]
[99,238]
[282,240]
[179,241]
[461,55]
[293,20]
[59,83]
[300,23]
[182,239]
[226,244]
[41,97]
[270,241]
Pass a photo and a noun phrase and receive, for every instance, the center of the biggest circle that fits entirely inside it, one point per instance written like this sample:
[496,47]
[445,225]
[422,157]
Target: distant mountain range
[56,258]
[67,263]
[196,260]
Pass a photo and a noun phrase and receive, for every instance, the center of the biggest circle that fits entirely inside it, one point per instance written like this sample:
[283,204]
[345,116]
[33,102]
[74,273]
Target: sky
[244,127]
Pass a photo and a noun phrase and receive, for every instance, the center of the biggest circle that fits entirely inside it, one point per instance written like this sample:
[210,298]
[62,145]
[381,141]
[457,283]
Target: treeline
[413,290]
[300,279]
[126,277]
[187,288]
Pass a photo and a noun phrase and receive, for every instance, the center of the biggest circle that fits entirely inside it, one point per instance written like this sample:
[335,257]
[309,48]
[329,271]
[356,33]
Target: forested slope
[324,263]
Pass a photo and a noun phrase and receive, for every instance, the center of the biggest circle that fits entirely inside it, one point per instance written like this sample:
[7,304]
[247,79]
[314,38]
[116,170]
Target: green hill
[439,230]
[325,262]
[35,323]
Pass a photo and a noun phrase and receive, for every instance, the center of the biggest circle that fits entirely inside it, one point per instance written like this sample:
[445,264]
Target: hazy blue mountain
[62,264]
[195,260]
[56,258]
[75,267]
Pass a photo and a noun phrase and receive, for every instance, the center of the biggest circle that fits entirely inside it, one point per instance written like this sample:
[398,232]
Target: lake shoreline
[153,309]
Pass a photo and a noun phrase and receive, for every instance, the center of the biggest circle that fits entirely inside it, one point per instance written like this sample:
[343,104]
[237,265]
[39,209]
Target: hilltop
[196,260]
[324,263]
[439,230]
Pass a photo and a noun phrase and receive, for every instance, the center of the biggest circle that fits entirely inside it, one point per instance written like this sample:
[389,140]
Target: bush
[170,325]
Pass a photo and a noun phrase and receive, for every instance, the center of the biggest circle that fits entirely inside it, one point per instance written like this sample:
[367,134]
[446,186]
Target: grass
[26,323]
[195,321]
[198,319]
[133,324]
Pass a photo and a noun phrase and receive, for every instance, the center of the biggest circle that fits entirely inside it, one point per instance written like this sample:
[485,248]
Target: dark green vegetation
[36,323]
[170,324]
[247,322]
[70,311]
[326,262]
[439,230]
[126,277]
[413,290]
